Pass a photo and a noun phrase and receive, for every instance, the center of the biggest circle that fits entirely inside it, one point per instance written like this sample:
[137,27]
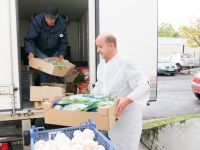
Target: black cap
[51,12]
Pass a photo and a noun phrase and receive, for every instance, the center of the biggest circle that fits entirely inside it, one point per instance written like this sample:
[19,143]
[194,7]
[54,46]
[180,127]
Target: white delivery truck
[134,22]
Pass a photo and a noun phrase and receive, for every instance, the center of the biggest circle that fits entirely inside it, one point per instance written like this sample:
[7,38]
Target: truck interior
[75,14]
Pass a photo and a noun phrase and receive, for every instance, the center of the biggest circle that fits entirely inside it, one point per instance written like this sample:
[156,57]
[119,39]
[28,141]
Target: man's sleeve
[63,42]
[31,34]
[138,83]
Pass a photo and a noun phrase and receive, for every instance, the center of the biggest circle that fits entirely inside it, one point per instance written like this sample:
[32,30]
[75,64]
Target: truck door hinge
[29,113]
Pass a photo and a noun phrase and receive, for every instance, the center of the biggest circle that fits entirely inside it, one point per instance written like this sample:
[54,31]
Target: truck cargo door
[134,23]
[9,76]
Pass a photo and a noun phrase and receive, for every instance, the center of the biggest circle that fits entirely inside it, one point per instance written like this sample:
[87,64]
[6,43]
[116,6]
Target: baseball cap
[51,11]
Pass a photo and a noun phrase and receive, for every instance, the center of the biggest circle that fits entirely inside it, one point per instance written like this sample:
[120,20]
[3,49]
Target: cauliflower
[62,140]
[81,141]
[65,147]
[77,140]
[88,134]
[78,137]
[77,133]
[49,145]
[39,145]
[89,144]
[77,147]
[101,147]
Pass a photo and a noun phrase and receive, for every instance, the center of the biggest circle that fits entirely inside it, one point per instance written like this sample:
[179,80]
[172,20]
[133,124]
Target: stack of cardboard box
[46,95]
[47,91]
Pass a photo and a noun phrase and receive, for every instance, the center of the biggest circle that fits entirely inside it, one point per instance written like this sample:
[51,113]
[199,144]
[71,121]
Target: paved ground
[174,97]
[142,147]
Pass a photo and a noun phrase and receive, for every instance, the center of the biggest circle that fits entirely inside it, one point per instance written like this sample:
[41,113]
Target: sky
[178,12]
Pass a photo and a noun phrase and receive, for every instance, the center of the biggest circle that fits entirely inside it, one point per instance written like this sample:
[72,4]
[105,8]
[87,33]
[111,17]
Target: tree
[192,33]
[167,30]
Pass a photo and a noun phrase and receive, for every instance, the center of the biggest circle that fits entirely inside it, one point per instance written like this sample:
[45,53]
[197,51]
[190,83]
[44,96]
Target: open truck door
[134,23]
[9,60]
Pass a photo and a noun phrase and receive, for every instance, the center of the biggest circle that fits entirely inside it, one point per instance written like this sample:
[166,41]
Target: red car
[196,85]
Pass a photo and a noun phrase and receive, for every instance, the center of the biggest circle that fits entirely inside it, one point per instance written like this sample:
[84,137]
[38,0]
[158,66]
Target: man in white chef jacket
[119,77]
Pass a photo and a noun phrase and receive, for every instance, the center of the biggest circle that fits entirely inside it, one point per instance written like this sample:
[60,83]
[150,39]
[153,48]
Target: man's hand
[61,57]
[122,103]
[30,55]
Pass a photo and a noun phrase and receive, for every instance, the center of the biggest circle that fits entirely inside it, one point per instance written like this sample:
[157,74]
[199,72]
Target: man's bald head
[108,37]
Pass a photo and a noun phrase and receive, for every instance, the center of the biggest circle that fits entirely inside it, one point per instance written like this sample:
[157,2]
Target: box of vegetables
[83,137]
[53,66]
[71,110]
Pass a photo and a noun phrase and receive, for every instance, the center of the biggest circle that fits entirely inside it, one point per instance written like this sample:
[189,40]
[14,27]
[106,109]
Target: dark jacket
[46,39]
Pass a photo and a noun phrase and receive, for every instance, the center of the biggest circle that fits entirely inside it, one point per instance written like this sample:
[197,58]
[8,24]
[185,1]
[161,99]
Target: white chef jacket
[121,77]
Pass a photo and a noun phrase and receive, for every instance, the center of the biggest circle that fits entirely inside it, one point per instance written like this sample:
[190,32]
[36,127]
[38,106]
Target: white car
[197,63]
[183,61]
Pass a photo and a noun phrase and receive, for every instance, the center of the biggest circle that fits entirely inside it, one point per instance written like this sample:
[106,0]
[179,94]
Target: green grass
[164,121]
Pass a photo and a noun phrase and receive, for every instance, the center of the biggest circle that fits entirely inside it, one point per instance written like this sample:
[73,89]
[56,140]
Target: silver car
[183,61]
[165,66]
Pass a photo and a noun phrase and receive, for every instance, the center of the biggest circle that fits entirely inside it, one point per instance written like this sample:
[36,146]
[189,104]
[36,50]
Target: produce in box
[82,102]
[59,64]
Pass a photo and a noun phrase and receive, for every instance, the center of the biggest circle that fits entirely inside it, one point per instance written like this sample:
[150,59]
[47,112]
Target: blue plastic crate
[39,133]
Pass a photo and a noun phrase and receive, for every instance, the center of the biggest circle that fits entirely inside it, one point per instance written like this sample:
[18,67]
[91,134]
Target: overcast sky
[178,12]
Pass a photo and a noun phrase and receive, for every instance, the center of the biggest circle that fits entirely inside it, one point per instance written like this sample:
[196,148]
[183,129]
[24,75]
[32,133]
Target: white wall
[169,46]
[134,23]
[167,50]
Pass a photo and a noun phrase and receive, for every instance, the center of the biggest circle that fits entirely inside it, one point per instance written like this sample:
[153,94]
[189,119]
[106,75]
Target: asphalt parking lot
[174,97]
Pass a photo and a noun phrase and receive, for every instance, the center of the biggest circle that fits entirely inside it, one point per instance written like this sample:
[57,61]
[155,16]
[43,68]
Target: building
[170,46]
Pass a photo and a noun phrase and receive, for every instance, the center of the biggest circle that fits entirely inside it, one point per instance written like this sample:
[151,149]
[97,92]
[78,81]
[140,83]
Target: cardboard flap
[40,93]
[103,111]
[107,109]
[49,104]
[41,65]
[112,111]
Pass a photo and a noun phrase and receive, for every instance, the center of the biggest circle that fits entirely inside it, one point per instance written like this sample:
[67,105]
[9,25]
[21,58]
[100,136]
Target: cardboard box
[71,87]
[41,65]
[71,77]
[63,86]
[40,104]
[104,117]
[41,93]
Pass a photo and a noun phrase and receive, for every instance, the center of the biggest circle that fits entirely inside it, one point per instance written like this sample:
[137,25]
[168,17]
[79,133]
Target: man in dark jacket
[47,37]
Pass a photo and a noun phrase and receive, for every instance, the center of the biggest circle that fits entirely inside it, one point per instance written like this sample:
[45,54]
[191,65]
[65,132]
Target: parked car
[165,66]
[183,61]
[197,63]
[196,85]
